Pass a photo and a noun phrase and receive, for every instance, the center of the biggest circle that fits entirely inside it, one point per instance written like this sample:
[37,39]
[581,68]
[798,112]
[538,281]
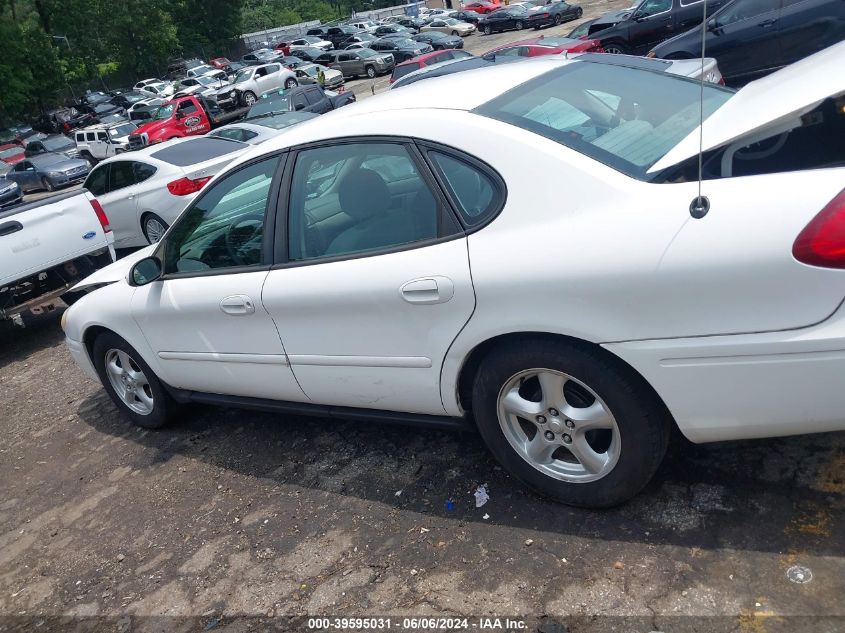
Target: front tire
[48,186]
[570,421]
[249,98]
[519,25]
[371,72]
[131,384]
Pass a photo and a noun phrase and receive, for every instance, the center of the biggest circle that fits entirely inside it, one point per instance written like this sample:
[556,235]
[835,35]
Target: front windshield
[57,143]
[626,118]
[164,112]
[243,75]
[269,106]
[122,130]
[452,22]
[207,81]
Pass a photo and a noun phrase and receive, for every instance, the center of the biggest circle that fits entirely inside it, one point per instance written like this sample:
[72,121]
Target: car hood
[117,271]
[65,165]
[152,127]
[768,103]
[611,18]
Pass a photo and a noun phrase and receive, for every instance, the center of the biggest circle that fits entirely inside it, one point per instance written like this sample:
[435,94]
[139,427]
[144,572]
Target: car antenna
[701,205]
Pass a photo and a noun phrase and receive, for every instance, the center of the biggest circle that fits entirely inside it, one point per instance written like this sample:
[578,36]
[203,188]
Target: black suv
[750,38]
[341,35]
[636,31]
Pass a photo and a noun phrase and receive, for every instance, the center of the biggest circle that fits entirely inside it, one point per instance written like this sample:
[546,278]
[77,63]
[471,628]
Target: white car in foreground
[143,192]
[395,258]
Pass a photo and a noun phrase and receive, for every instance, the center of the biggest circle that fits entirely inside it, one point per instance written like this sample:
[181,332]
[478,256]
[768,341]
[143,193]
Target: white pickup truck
[47,247]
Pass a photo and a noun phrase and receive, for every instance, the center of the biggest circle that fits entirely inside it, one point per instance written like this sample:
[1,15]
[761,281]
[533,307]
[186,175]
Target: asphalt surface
[235,521]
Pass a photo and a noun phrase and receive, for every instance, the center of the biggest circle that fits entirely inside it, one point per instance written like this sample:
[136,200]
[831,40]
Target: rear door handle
[767,23]
[237,305]
[7,228]
[428,290]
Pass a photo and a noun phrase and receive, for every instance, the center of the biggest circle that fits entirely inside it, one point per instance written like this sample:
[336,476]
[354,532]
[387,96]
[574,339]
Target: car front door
[204,319]
[650,24]
[744,39]
[25,174]
[375,283]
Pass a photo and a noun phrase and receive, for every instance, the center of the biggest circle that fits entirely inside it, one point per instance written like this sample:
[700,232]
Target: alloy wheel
[249,99]
[154,230]
[558,425]
[129,382]
[519,25]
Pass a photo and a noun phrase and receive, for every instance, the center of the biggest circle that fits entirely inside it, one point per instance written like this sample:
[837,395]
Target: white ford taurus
[521,248]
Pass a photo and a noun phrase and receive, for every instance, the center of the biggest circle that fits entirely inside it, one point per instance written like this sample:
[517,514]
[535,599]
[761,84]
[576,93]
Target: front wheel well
[473,361]
[90,335]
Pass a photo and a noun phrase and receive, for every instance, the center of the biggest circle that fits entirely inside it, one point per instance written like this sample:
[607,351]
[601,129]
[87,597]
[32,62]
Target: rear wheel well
[466,377]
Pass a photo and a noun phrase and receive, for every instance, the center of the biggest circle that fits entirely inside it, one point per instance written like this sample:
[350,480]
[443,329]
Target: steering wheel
[236,237]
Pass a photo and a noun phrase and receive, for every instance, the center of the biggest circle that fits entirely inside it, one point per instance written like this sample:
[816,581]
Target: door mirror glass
[712,24]
[145,271]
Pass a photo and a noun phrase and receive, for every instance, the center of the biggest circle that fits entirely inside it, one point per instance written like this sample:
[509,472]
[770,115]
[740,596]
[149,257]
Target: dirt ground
[233,513]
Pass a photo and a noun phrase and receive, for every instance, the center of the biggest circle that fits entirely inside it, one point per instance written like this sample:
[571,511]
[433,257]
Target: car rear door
[807,26]
[119,201]
[374,281]
[744,38]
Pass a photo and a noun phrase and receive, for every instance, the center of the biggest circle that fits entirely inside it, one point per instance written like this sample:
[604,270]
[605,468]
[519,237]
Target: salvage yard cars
[345,267]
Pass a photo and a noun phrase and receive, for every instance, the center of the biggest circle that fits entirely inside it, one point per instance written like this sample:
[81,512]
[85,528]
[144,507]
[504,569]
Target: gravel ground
[238,520]
[234,513]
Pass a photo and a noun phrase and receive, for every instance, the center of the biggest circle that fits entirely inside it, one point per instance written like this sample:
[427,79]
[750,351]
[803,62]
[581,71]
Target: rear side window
[195,151]
[142,171]
[401,71]
[121,175]
[474,190]
[624,117]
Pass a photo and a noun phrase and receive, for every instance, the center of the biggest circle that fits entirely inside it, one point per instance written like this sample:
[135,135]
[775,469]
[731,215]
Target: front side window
[225,228]
[98,180]
[623,117]
[187,107]
[356,198]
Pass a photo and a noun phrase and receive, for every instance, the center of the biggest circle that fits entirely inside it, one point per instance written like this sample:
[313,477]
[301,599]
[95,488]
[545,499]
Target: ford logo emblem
[89,235]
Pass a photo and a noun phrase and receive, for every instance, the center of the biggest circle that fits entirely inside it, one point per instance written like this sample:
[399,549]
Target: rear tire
[487,30]
[579,13]
[576,400]
[519,25]
[141,396]
[455,33]
[153,227]
[558,20]
[615,48]
[291,83]
[371,72]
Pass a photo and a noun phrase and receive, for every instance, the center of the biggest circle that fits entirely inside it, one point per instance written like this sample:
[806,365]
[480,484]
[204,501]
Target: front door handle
[237,305]
[767,23]
[428,290]
[7,228]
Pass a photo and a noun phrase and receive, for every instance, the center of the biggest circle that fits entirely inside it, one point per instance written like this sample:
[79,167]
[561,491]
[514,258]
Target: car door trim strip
[410,362]
[218,357]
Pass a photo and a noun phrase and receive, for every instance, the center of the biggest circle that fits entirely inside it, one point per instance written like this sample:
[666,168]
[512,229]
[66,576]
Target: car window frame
[499,185]
[448,226]
[270,219]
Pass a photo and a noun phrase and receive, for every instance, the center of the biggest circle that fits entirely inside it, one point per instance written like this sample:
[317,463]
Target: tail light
[546,15]
[101,215]
[186,186]
[822,242]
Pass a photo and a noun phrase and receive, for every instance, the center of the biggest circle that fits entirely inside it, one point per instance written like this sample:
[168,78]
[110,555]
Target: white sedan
[396,259]
[143,192]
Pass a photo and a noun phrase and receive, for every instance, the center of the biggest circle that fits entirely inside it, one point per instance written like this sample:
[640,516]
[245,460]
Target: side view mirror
[299,106]
[713,24]
[180,115]
[145,271]
[639,17]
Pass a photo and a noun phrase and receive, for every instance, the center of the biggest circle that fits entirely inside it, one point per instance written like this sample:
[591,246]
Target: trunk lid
[766,103]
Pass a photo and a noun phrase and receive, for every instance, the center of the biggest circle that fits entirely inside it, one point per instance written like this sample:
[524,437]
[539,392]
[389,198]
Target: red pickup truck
[191,115]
